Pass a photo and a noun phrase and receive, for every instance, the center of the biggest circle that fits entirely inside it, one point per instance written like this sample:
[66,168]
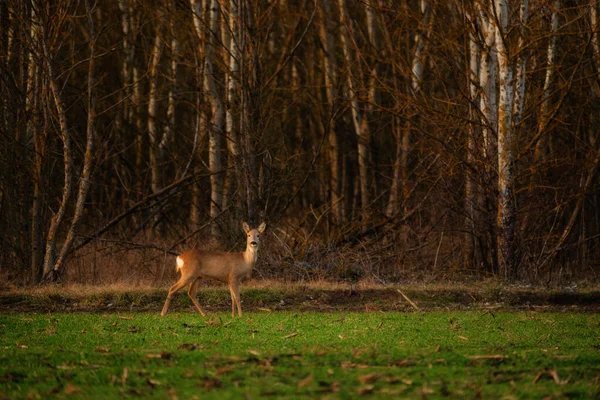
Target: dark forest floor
[270,296]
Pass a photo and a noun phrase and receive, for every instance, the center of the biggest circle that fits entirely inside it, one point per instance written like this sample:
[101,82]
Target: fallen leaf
[306,381]
[462,337]
[488,357]
[254,353]
[71,389]
[211,383]
[21,346]
[291,335]
[368,378]
[152,382]
[126,318]
[365,389]
[265,309]
[225,369]
[101,349]
[164,355]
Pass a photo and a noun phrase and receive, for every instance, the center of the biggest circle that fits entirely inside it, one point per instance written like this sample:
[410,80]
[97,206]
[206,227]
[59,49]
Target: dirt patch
[300,298]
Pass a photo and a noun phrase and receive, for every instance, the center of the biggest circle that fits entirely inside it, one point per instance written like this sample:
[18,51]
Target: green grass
[285,354]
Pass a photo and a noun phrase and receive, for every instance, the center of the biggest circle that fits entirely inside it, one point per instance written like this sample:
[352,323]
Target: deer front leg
[235,287]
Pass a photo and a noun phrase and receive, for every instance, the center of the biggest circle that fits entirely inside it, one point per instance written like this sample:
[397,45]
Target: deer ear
[262,227]
[245,227]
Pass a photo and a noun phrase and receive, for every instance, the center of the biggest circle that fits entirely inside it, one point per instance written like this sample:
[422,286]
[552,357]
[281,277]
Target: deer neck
[250,255]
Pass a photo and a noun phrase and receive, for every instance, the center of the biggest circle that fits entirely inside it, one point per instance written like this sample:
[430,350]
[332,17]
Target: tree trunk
[472,202]
[84,181]
[330,77]
[360,122]
[50,273]
[216,127]
[507,212]
[155,154]
[544,113]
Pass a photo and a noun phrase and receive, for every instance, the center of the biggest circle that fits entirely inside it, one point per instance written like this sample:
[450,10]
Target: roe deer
[230,268]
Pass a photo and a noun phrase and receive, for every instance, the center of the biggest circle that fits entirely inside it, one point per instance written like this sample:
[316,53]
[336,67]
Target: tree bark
[507,212]
[155,152]
[84,180]
[50,273]
[359,120]
[330,77]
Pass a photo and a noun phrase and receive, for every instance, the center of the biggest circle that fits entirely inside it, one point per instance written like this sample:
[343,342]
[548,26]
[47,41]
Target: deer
[230,268]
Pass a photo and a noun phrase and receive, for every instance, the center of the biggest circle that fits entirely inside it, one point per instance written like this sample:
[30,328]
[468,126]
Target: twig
[409,300]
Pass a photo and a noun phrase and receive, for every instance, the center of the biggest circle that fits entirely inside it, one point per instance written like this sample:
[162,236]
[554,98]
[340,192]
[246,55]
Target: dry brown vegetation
[271,296]
[393,141]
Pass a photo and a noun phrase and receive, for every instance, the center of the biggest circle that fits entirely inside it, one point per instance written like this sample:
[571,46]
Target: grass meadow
[287,354]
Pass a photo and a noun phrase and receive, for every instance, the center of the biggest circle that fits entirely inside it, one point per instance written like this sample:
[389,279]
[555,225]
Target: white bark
[595,33]
[506,205]
[487,81]
[542,143]
[50,255]
[359,121]
[471,200]
[84,181]
[521,68]
[155,151]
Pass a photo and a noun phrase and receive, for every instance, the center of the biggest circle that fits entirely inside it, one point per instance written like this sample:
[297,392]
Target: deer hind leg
[192,293]
[184,280]
[235,295]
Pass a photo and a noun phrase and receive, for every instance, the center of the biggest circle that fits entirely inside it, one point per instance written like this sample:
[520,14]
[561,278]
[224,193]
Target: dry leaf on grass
[462,337]
[306,381]
[164,355]
[368,378]
[291,335]
[71,389]
[365,389]
[488,357]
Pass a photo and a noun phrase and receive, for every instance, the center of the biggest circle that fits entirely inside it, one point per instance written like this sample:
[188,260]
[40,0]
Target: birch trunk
[154,149]
[330,76]
[216,126]
[360,122]
[488,104]
[84,181]
[521,68]
[506,203]
[50,274]
[472,203]
[197,9]
[416,79]
[232,77]
[542,144]
[172,95]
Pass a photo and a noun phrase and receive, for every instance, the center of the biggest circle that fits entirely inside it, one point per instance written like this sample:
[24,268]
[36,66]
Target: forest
[385,140]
